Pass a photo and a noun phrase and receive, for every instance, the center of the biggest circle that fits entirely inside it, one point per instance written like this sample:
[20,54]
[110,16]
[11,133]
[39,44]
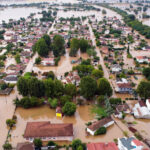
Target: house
[47,131]
[140,110]
[102,146]
[59,112]
[104,50]
[106,122]
[115,68]
[48,62]
[130,143]
[148,103]
[120,109]
[141,59]
[25,146]
[10,79]
[123,88]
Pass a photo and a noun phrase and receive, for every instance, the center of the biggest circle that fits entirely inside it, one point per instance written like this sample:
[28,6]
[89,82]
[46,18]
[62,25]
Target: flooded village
[74,76]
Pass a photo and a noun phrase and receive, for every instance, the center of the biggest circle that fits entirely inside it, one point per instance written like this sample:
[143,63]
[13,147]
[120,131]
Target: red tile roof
[97,124]
[137,142]
[102,146]
[25,146]
[46,129]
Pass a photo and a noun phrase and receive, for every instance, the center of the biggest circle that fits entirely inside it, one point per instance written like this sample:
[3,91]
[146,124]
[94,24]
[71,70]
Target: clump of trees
[78,145]
[146,72]
[44,45]
[143,89]
[77,44]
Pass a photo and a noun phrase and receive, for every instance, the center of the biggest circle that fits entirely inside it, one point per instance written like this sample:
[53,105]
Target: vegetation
[37,143]
[143,89]
[76,144]
[10,122]
[146,72]
[88,87]
[104,87]
[69,108]
[7,146]
[101,130]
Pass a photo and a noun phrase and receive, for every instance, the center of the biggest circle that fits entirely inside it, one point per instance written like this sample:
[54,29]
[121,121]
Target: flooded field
[82,116]
[16,13]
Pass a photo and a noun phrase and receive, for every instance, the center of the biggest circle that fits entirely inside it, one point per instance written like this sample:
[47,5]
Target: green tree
[101,130]
[76,143]
[58,45]
[58,88]
[143,89]
[38,60]
[74,45]
[64,99]
[17,58]
[7,146]
[49,87]
[70,89]
[36,87]
[88,87]
[109,109]
[10,122]
[41,47]
[53,102]
[22,86]
[146,72]
[104,87]
[100,100]
[69,108]
[47,39]
[38,142]
[83,45]
[97,74]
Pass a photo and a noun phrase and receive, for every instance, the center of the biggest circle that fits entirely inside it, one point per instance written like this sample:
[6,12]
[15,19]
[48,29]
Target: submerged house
[106,122]
[48,62]
[47,131]
[129,144]
[120,109]
[123,88]
[140,110]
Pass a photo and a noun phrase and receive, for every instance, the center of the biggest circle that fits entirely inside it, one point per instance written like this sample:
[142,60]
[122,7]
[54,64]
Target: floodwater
[44,113]
[64,64]
[17,13]
[6,111]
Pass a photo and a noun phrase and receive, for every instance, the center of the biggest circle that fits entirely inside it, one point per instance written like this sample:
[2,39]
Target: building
[142,59]
[48,62]
[10,79]
[148,103]
[140,110]
[25,146]
[129,144]
[116,68]
[123,88]
[102,146]
[106,122]
[48,131]
[59,112]
[120,109]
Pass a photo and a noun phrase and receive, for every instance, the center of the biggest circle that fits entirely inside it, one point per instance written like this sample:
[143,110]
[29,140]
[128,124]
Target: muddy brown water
[44,113]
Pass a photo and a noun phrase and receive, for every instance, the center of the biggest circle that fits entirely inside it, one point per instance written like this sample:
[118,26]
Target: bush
[53,102]
[101,130]
[69,108]
[10,122]
[115,101]
[7,146]
[38,143]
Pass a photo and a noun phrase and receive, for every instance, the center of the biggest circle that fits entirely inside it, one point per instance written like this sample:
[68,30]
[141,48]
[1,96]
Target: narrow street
[106,73]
